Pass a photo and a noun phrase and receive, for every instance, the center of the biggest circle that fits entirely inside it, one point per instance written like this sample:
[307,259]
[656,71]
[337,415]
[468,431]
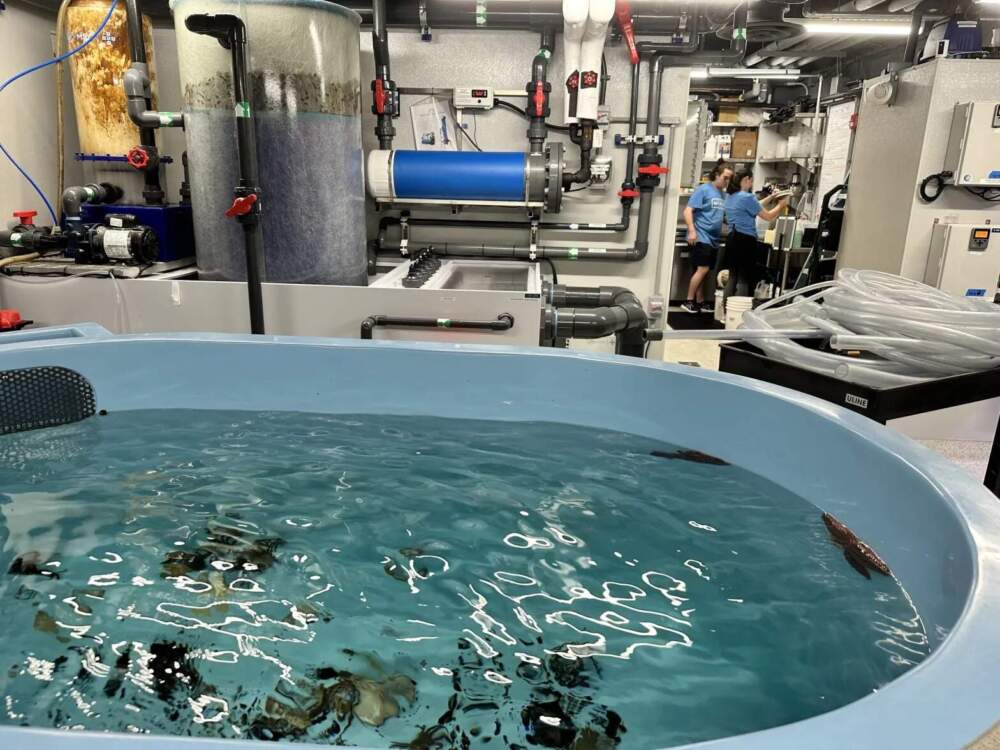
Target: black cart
[879,404]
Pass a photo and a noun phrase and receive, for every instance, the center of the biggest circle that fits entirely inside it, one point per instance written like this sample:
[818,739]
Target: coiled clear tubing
[898,331]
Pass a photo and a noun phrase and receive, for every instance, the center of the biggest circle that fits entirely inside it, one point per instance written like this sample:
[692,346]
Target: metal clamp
[533,245]
[642,140]
[404,230]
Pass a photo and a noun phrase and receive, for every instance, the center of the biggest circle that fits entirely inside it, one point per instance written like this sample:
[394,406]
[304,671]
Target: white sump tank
[304,62]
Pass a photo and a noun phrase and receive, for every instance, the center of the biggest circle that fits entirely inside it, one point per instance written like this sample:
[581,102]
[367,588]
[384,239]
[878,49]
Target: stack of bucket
[735,307]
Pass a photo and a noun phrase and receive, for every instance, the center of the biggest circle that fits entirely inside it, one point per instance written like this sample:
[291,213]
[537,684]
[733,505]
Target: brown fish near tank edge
[690,455]
[860,556]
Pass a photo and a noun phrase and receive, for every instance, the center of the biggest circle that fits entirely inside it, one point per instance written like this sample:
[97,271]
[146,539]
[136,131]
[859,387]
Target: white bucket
[735,307]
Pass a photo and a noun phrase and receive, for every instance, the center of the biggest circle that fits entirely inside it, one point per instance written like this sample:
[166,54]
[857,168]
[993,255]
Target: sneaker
[689,307]
[707,307]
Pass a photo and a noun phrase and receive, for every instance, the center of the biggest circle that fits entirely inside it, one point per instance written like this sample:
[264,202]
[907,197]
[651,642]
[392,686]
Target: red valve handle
[539,98]
[624,15]
[628,193]
[242,205]
[138,157]
[379,96]
[653,169]
[26,218]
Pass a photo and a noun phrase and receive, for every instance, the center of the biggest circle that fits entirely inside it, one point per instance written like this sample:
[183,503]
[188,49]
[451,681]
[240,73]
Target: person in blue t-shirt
[742,211]
[703,216]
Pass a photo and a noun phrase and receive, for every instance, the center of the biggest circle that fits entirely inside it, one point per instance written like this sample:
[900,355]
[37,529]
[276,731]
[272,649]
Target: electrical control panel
[475,97]
[973,155]
[964,260]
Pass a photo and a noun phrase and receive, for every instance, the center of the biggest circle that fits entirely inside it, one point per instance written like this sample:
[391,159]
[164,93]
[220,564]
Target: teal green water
[376,580]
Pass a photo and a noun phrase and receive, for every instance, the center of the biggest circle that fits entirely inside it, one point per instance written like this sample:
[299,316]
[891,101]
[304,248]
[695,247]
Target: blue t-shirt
[741,212]
[708,203]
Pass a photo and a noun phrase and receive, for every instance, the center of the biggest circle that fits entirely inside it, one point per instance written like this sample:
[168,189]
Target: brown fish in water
[690,455]
[30,564]
[860,556]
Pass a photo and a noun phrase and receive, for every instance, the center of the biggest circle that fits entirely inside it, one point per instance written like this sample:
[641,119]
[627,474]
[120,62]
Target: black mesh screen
[43,397]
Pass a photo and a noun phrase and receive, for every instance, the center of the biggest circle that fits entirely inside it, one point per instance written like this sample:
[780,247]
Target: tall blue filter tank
[306,103]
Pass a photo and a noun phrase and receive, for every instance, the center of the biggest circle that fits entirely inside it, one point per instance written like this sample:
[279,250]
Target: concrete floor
[970,455]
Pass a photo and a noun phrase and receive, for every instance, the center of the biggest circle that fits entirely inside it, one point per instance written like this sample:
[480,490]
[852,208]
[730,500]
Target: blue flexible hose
[40,66]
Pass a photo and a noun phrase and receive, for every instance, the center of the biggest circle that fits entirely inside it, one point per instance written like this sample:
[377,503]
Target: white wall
[27,112]
[887,226]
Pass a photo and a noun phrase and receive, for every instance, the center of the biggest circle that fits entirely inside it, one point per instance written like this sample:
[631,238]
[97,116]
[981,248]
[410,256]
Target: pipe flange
[553,177]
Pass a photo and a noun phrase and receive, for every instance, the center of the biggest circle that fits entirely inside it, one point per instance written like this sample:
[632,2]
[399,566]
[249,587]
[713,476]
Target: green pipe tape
[573,253]
[15,240]
[444,323]
[242,109]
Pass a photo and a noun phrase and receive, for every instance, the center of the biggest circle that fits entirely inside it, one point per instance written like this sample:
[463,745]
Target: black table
[879,404]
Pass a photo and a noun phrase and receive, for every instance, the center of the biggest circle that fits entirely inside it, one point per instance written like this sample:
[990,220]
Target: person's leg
[695,291]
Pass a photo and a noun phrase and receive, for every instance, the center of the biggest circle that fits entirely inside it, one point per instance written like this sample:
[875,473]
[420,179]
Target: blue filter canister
[459,175]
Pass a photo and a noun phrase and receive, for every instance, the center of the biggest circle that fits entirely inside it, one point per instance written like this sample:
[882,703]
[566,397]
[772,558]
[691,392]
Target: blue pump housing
[172,224]
[460,175]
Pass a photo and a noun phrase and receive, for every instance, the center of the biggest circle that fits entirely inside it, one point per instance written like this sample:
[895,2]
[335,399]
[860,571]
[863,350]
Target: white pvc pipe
[600,14]
[575,14]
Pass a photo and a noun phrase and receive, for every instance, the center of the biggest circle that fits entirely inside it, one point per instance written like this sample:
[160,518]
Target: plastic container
[304,62]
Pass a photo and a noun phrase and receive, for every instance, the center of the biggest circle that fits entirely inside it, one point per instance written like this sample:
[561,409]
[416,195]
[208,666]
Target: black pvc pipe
[916,21]
[383,88]
[152,191]
[600,311]
[538,93]
[504,322]
[231,34]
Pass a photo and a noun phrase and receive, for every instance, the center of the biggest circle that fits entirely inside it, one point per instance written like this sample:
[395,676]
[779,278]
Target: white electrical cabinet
[973,155]
[964,260]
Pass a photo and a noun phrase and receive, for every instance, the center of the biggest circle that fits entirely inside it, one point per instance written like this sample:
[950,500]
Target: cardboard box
[744,144]
[729,114]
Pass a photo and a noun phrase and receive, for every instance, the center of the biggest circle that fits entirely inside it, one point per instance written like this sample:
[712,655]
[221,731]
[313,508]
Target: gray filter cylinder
[304,61]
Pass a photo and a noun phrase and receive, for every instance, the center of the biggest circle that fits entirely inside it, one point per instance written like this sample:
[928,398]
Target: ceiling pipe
[907,6]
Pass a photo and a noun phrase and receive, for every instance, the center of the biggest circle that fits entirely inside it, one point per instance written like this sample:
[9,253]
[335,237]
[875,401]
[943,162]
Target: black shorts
[703,255]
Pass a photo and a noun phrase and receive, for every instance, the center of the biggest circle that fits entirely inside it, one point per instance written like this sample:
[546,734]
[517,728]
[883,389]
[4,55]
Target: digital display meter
[477,97]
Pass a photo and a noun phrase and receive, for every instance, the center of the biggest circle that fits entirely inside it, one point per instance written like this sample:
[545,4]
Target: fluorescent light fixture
[847,27]
[987,2]
[788,74]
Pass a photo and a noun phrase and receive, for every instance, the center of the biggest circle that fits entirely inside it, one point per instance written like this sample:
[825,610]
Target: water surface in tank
[421,582]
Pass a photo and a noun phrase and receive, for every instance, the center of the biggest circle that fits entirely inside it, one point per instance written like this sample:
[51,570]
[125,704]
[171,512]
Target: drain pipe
[598,312]
[231,33]
[384,95]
